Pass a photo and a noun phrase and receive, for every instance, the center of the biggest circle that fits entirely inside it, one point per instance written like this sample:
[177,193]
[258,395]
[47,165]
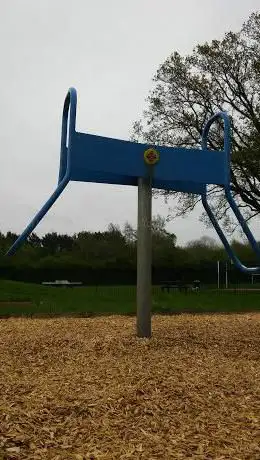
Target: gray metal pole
[218,274]
[144,258]
[226,275]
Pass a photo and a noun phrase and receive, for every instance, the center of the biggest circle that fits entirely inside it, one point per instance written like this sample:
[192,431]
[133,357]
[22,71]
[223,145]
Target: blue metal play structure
[90,158]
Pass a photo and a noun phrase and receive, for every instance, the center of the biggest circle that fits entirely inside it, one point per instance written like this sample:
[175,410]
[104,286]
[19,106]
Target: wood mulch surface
[87,388]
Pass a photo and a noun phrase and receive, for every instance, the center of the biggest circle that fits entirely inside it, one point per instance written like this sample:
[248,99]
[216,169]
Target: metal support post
[144,257]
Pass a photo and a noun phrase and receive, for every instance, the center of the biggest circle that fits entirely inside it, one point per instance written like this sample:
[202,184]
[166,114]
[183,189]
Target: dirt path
[89,389]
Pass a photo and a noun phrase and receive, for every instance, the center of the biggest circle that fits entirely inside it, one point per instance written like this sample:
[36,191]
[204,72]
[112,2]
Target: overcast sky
[109,50]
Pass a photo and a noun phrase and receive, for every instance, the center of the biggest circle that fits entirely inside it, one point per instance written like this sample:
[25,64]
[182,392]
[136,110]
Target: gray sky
[108,50]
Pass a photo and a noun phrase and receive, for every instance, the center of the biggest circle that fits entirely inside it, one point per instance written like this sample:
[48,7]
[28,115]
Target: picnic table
[63,283]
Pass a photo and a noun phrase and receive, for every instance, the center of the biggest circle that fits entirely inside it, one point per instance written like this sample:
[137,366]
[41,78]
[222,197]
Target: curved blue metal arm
[243,223]
[227,126]
[68,128]
[230,199]
[224,240]
[227,142]
[29,229]
[69,113]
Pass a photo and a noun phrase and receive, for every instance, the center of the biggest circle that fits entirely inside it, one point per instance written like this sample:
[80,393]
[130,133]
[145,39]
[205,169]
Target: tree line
[113,251]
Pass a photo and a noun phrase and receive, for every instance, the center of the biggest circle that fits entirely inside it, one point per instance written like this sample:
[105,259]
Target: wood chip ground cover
[89,389]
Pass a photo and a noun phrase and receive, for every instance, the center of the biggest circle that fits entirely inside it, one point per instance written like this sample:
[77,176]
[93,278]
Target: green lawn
[40,300]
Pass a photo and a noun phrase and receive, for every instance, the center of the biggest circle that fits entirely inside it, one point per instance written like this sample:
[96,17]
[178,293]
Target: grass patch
[18,299]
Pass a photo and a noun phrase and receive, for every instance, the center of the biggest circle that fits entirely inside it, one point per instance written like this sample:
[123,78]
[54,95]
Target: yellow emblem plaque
[151,156]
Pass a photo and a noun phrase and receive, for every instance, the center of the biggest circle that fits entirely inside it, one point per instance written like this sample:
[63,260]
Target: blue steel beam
[113,157]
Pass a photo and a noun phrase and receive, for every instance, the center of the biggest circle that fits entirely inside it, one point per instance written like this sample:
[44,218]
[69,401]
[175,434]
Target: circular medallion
[151,156]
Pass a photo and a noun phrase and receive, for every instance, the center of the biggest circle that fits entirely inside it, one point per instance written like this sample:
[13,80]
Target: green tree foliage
[116,249]
[109,249]
[205,249]
[221,75]
[163,242]
[54,243]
